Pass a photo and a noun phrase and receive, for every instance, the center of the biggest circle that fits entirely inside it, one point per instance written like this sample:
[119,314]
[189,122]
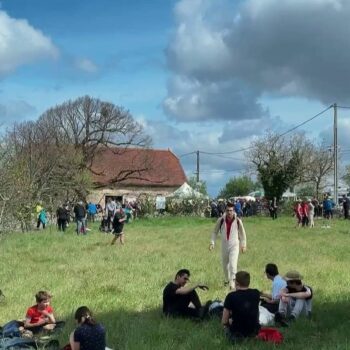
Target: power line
[250,147]
[284,133]
[305,122]
[187,154]
[220,156]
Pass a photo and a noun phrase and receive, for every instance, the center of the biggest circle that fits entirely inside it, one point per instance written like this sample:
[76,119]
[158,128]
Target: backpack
[11,329]
[216,309]
[271,335]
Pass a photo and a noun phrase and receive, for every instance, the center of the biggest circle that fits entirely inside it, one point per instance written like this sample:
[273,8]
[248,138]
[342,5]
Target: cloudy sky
[198,74]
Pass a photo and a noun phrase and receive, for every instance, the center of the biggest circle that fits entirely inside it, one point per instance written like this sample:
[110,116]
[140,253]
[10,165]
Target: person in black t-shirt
[180,300]
[118,225]
[241,309]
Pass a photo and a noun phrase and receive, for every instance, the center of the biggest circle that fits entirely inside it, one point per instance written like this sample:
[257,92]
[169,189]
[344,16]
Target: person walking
[233,240]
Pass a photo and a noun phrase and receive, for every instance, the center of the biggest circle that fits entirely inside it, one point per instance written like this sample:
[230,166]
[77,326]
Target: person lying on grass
[40,317]
[240,317]
[296,300]
[181,300]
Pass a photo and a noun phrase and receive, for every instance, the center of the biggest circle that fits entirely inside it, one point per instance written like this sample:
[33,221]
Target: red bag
[67,347]
[271,335]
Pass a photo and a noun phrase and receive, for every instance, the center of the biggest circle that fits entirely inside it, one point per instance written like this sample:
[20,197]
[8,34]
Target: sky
[197,74]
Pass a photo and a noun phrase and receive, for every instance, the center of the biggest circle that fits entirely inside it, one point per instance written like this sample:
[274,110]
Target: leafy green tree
[306,191]
[200,186]
[280,162]
[238,186]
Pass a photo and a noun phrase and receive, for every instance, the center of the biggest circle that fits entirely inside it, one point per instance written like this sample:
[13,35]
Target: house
[128,174]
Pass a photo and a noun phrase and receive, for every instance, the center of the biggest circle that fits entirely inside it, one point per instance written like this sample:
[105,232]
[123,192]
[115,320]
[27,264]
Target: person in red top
[298,213]
[40,317]
[233,240]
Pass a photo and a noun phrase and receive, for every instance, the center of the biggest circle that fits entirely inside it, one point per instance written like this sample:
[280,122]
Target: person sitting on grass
[296,300]
[240,317]
[271,301]
[181,300]
[89,335]
[40,317]
[118,225]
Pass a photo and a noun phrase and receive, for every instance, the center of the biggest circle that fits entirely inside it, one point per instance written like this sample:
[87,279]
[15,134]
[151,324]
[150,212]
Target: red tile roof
[137,167]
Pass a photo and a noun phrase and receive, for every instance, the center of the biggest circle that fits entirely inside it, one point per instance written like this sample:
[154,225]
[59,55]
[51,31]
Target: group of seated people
[289,299]
[88,335]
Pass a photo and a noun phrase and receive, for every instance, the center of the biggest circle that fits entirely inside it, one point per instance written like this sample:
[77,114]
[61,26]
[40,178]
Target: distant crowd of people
[82,213]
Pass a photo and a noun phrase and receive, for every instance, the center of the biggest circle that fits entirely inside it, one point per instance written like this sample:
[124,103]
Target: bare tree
[319,166]
[91,125]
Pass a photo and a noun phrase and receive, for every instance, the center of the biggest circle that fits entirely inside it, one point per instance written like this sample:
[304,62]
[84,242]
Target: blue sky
[198,74]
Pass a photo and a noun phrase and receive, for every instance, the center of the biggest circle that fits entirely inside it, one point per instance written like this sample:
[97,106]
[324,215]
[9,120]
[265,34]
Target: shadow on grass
[148,329]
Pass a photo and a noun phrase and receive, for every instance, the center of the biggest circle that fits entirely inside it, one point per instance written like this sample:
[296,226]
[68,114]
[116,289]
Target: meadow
[123,284]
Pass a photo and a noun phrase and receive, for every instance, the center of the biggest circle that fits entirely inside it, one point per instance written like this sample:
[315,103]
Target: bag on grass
[271,335]
[266,318]
[216,309]
[11,329]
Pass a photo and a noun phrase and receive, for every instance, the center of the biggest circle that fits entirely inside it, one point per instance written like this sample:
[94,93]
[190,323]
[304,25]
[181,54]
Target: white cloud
[21,44]
[238,51]
[86,65]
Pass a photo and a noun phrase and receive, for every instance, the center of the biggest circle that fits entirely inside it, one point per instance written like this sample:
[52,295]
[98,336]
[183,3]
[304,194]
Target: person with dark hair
[240,317]
[346,206]
[296,299]
[40,317]
[118,225]
[233,239]
[62,218]
[89,335]
[80,217]
[271,301]
[181,300]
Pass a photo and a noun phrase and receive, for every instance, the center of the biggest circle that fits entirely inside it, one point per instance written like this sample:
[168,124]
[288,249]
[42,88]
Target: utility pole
[197,173]
[335,153]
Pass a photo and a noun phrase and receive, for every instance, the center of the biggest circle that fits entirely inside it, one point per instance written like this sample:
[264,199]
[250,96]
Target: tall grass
[123,284]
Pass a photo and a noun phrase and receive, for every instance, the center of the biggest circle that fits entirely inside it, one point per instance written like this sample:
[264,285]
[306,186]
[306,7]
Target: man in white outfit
[233,240]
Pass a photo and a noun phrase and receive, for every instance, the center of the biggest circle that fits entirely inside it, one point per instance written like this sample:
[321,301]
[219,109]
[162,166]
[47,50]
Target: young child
[118,225]
[40,317]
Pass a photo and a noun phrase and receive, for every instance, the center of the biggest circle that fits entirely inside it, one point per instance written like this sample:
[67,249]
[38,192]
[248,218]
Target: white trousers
[229,261]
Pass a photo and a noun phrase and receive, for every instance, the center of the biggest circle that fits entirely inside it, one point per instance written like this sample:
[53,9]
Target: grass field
[123,284]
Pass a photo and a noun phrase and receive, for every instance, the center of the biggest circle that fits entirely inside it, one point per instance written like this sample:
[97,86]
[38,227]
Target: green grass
[123,284]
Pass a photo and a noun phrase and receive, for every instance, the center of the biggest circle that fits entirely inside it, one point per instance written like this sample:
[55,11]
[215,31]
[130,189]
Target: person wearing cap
[296,299]
[181,300]
[271,301]
[233,240]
